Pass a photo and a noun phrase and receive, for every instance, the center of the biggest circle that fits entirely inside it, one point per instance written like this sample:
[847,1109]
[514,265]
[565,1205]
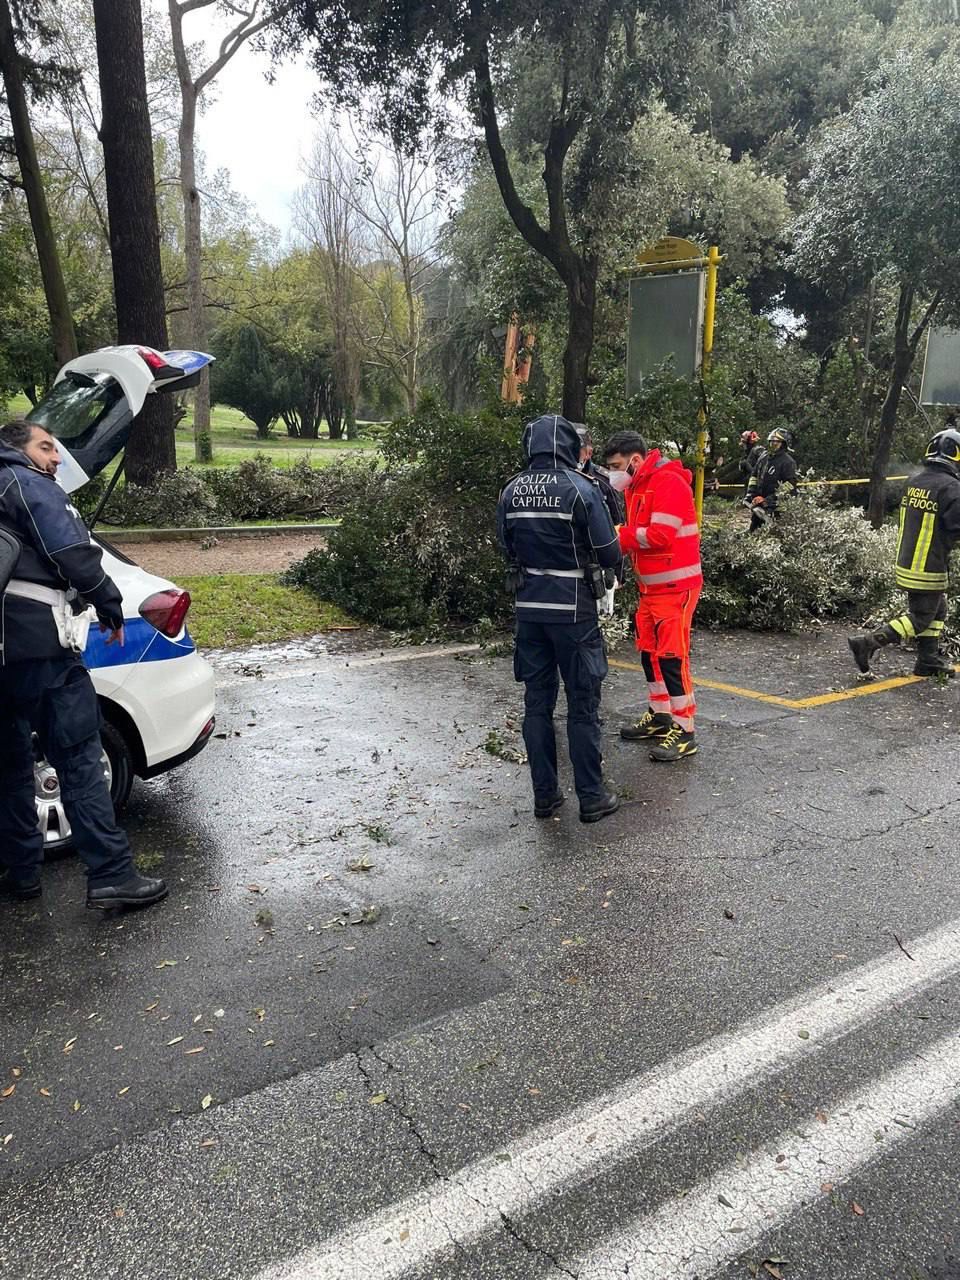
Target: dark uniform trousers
[545,653]
[55,698]
[925,616]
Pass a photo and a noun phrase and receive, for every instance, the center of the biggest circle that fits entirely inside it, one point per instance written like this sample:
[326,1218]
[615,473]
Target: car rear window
[77,405]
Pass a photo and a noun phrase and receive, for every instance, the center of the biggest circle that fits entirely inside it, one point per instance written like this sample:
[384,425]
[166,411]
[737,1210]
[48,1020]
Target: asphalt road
[387,1025]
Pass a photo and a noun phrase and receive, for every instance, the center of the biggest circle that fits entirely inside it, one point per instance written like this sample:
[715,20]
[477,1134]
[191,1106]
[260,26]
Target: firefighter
[554,529]
[774,467]
[929,529]
[752,449]
[662,538]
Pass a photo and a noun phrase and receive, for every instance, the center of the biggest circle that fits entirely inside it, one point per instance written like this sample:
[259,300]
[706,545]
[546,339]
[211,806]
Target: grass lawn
[235,439]
[241,608]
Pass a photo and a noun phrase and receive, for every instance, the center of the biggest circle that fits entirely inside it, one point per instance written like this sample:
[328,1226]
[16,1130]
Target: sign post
[677,322]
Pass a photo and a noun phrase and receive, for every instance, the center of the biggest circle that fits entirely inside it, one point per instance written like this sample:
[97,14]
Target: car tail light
[166,610]
[162,370]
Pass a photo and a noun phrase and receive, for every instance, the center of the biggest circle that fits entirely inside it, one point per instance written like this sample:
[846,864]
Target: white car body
[161,686]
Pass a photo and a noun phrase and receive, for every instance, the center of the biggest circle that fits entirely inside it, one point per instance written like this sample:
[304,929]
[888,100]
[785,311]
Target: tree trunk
[132,210]
[54,287]
[192,252]
[581,312]
[899,372]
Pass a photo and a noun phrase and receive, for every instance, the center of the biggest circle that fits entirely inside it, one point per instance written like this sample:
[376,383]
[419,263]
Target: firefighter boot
[864,647]
[929,661]
[653,724]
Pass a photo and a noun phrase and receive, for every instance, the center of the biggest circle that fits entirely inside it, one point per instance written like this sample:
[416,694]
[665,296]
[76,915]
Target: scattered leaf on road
[857,1209]
[377,1099]
[205,1101]
[175,1040]
[9,1091]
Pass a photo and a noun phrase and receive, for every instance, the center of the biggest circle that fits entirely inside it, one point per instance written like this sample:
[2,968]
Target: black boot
[135,891]
[597,809]
[929,661]
[19,890]
[864,647]
[547,807]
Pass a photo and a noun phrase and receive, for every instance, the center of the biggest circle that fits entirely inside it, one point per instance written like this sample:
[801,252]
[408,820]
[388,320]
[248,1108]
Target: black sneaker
[136,891]
[547,808]
[19,890]
[600,808]
[677,745]
[653,724]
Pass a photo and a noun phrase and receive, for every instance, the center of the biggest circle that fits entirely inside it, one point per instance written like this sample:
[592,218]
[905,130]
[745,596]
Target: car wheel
[51,815]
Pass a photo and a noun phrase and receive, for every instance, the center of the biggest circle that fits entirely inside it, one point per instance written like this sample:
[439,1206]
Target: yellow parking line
[795,704]
[877,686]
[722,688]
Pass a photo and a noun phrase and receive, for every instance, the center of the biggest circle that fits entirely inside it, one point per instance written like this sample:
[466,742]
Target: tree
[245,377]
[882,203]
[192,86]
[132,211]
[326,216]
[18,71]
[396,203]
[567,83]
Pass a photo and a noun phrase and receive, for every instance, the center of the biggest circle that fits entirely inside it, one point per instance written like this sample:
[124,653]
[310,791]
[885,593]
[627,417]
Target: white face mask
[620,480]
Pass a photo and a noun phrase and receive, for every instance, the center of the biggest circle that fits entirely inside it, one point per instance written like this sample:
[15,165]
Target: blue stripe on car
[142,642]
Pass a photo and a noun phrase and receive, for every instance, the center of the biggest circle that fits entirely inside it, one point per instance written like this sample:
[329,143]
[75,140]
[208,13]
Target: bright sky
[258,131]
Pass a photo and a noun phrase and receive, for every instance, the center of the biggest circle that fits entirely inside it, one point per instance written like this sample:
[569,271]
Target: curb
[120,536]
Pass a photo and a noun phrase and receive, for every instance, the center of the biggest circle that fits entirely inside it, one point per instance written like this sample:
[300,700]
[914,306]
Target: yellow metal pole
[709,312]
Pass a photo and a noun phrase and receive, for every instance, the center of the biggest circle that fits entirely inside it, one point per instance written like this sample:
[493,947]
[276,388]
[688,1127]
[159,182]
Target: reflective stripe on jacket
[553,522]
[929,528]
[661,534]
[56,553]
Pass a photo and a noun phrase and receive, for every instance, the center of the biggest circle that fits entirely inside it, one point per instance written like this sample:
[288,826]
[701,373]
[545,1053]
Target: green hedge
[253,490]
[816,562]
[416,548]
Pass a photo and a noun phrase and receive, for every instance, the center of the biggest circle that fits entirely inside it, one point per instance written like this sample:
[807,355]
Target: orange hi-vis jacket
[661,535]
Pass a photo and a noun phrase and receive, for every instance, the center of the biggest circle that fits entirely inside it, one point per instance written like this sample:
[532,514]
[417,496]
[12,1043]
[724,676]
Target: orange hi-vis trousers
[664,622]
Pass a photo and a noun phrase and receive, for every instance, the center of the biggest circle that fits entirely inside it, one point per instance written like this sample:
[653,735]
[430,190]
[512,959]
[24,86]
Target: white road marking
[470,1202]
[693,1237]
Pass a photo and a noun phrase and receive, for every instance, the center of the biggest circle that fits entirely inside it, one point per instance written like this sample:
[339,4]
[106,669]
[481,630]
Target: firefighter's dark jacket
[750,459]
[552,521]
[770,472]
[57,552]
[929,527]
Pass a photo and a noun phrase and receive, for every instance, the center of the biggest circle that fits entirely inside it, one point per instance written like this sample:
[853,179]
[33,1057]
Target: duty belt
[554,573]
[34,591]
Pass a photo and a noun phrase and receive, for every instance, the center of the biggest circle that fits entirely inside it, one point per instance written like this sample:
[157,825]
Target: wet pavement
[376,969]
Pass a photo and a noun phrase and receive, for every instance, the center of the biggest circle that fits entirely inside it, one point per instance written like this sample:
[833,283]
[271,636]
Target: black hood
[11,457]
[552,441]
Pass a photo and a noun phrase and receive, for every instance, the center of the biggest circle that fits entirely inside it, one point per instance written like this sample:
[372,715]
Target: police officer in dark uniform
[44,687]
[929,530]
[557,535]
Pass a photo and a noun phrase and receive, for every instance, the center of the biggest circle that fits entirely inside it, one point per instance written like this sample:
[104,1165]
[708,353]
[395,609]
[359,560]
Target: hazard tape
[812,484]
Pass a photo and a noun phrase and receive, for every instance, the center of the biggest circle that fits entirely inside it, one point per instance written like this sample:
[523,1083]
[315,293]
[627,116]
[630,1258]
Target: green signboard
[941,368]
[666,323]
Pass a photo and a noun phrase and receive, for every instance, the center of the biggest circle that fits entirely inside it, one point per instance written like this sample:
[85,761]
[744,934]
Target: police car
[156,692]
